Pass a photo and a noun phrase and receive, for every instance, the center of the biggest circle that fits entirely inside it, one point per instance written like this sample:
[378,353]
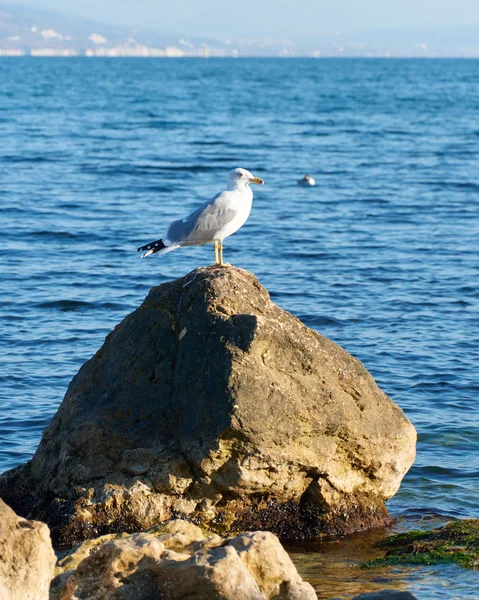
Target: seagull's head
[242,177]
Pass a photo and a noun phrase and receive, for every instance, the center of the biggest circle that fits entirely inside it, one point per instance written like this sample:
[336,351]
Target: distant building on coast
[31,31]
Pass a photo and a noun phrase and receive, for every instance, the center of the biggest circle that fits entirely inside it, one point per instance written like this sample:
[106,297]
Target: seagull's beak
[256,180]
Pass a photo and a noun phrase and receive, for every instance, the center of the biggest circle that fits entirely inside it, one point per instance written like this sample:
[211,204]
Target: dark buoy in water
[307,180]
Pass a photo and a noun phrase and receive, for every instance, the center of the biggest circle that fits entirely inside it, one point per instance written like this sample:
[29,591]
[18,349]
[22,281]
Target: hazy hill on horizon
[27,30]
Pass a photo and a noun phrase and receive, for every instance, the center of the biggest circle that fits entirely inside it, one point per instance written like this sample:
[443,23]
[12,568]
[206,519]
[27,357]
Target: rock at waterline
[27,559]
[178,561]
[211,403]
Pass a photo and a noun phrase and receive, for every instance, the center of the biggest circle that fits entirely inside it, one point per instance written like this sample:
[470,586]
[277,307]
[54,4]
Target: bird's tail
[153,248]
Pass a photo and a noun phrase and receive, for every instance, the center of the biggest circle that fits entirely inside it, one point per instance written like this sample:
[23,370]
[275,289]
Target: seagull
[212,222]
[307,180]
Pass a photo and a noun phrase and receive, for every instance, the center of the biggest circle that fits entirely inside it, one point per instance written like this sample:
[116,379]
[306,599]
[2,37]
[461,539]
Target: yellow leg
[220,244]
[217,260]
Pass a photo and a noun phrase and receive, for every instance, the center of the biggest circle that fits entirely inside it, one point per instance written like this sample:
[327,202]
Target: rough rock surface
[176,534]
[212,403]
[182,563]
[27,559]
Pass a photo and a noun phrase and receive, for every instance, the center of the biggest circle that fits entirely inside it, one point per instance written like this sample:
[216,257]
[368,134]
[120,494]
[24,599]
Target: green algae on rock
[456,542]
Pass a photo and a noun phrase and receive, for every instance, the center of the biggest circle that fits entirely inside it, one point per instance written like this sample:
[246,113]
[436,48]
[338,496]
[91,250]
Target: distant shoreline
[6,54]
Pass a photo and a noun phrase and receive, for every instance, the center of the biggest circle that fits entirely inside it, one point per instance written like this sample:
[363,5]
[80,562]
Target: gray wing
[201,226]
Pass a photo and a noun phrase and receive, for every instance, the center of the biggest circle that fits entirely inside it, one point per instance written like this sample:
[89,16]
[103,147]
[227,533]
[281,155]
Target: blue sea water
[98,156]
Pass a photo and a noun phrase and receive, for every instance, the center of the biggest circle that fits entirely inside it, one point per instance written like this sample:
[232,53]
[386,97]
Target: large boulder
[181,563]
[27,559]
[210,402]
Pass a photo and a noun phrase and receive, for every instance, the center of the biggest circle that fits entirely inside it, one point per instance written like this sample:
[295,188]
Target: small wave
[77,305]
[291,294]
[67,235]
[143,169]
[65,304]
[427,513]
[164,189]
[209,143]
[446,472]
[55,234]
[307,255]
[162,124]
[32,159]
[13,210]
[455,185]
[319,320]
[312,133]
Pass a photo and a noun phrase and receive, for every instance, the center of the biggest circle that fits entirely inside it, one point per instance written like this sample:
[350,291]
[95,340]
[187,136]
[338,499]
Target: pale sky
[270,17]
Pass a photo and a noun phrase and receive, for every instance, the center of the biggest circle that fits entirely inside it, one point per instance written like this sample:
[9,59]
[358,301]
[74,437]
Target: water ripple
[381,256]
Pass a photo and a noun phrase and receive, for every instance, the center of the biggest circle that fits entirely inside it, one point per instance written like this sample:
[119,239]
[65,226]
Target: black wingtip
[154,246]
